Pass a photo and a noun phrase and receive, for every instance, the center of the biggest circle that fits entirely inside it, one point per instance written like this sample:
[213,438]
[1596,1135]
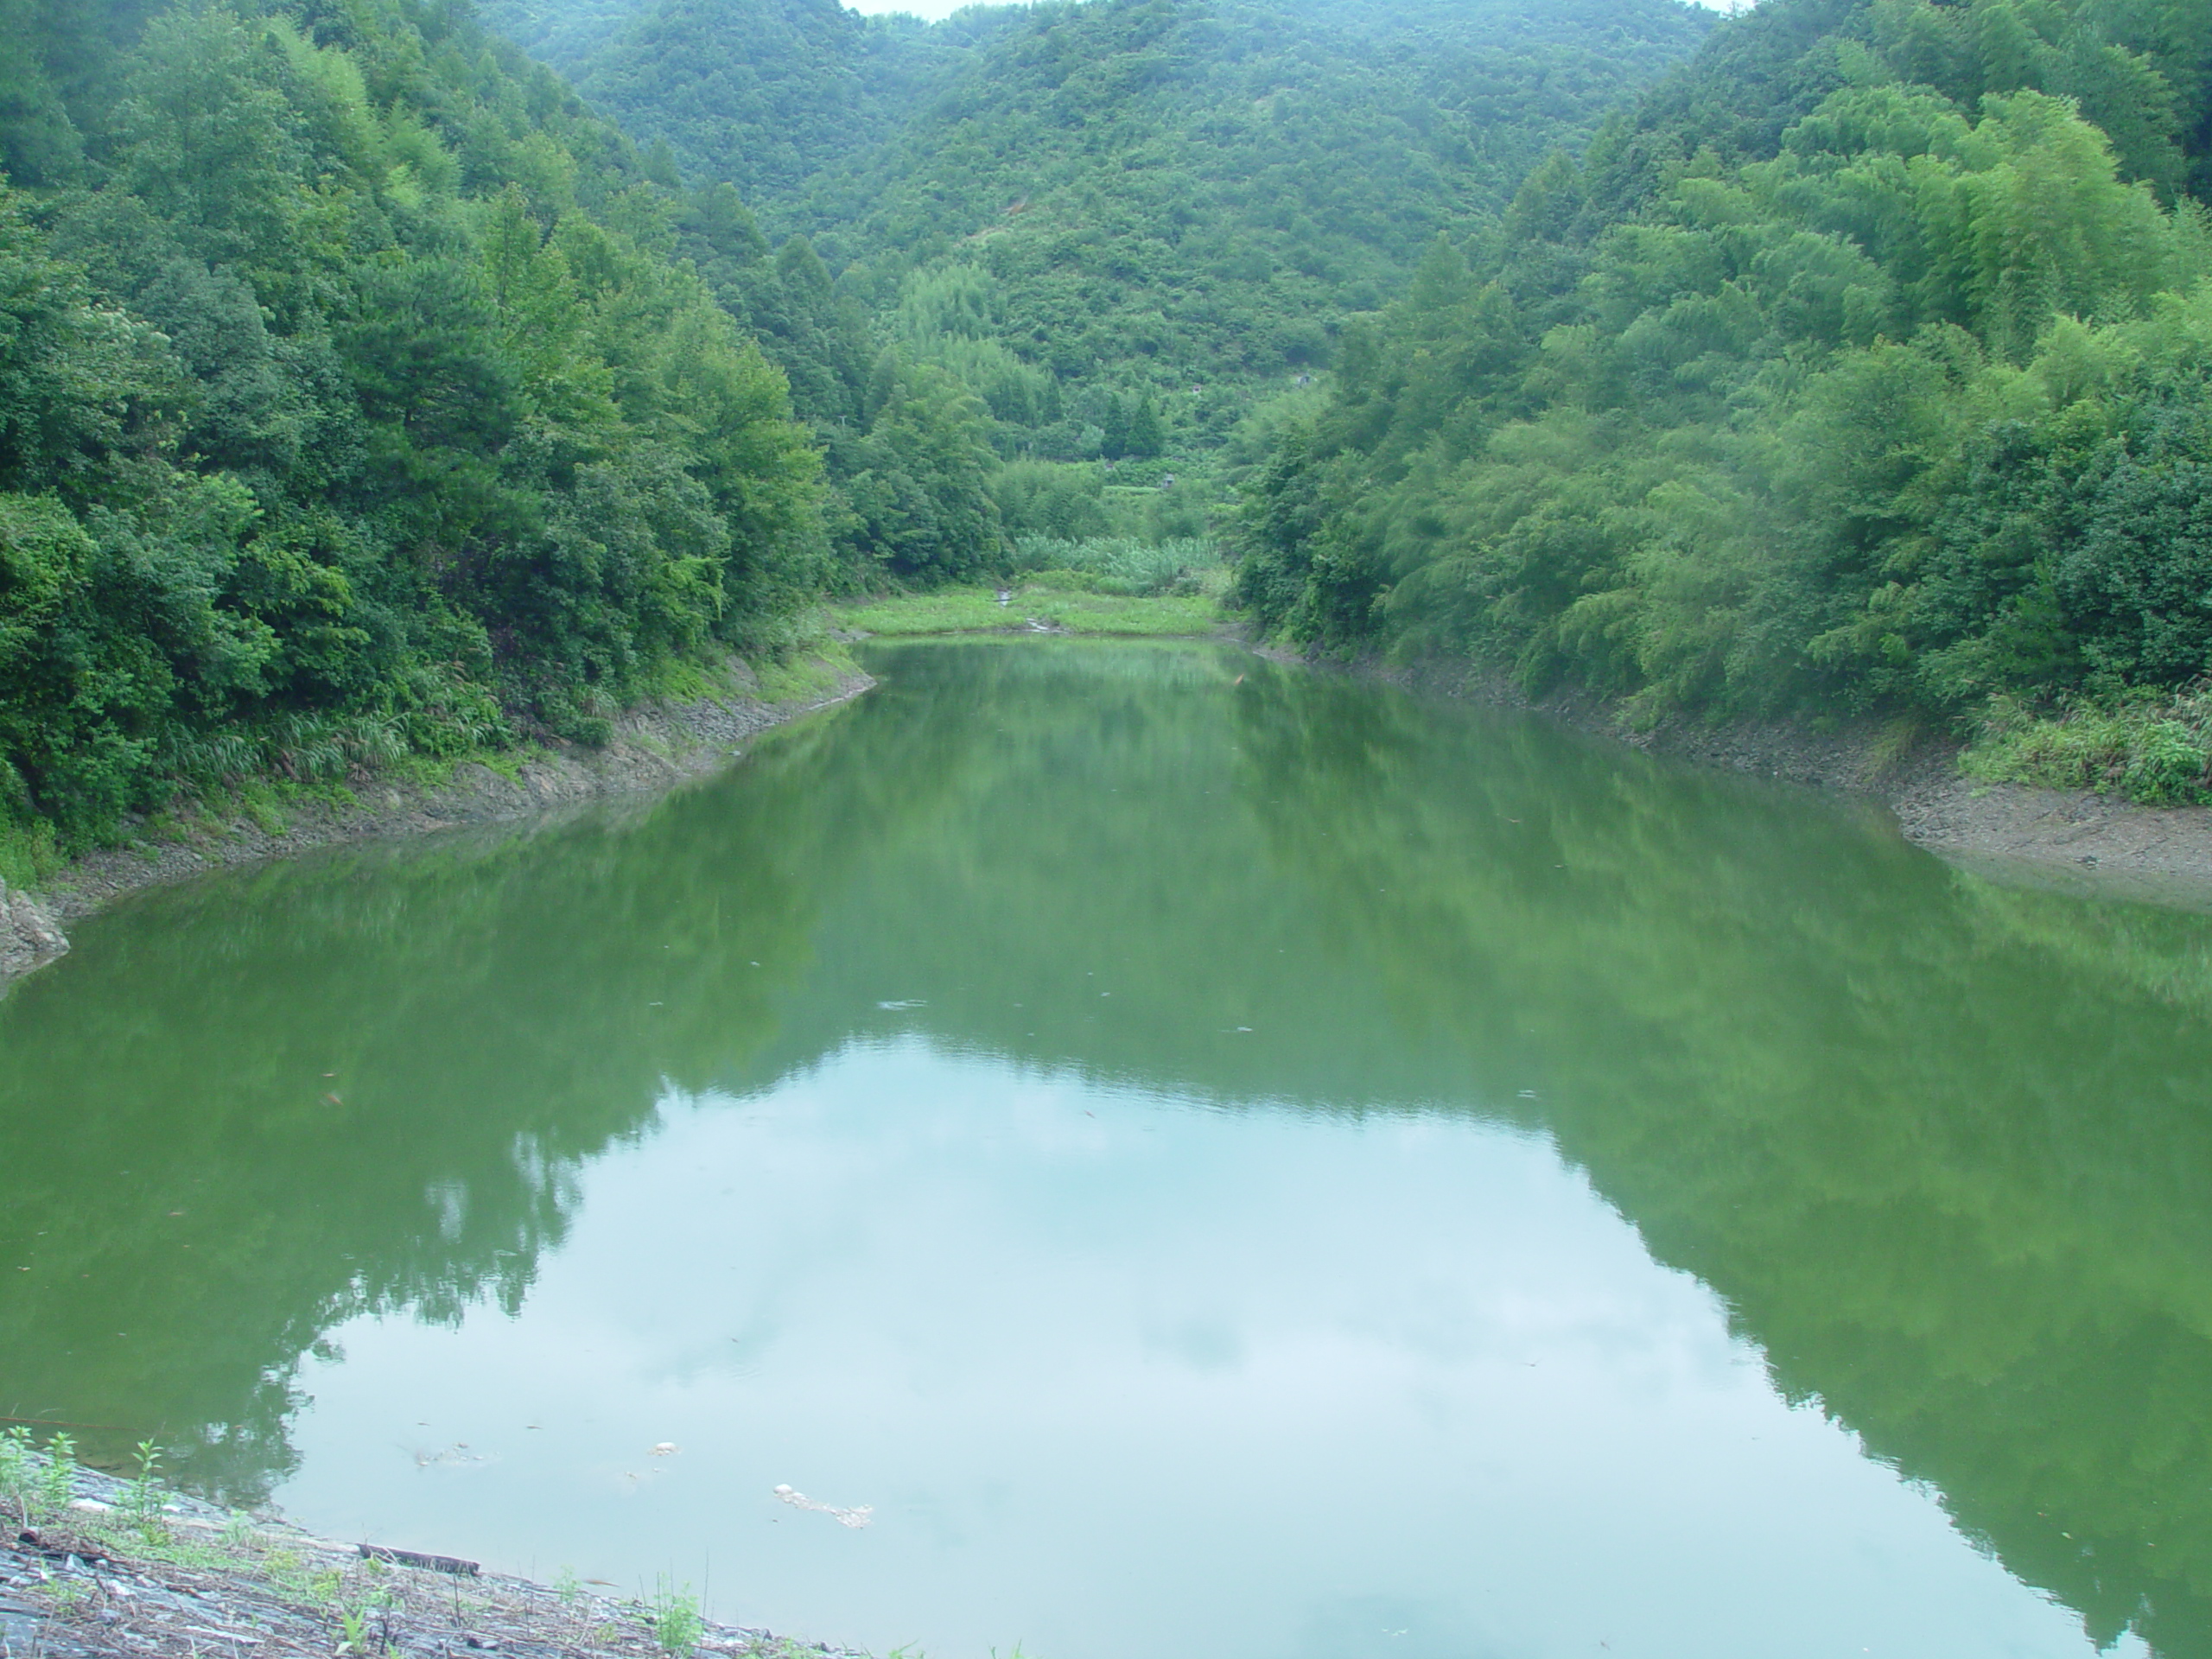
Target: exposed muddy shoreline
[655,746]
[2072,840]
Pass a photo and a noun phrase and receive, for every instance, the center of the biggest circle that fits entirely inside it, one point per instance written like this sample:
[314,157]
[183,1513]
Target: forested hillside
[351,406]
[1091,237]
[365,394]
[1159,146]
[1865,369]
[764,95]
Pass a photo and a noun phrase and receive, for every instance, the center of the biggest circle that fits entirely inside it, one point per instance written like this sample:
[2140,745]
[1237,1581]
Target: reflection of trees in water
[1085,833]
[247,1111]
[1940,1146]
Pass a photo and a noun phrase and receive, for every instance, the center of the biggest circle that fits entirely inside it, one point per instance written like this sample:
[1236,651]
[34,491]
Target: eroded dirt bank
[2071,839]
[654,745]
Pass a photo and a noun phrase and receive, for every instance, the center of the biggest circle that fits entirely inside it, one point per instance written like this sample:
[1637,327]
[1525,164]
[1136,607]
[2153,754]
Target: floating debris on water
[458,1453]
[859,1516]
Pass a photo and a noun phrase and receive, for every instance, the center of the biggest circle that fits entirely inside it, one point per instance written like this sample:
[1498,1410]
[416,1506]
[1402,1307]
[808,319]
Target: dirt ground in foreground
[103,1578]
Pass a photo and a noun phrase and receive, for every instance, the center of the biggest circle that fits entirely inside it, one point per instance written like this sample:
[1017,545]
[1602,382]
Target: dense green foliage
[1114,224]
[1169,194]
[363,393]
[351,403]
[1869,366]
[765,95]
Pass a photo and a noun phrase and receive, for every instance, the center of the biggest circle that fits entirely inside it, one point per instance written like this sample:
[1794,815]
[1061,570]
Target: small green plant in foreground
[16,1465]
[60,1479]
[678,1624]
[354,1621]
[353,1630]
[145,1504]
[38,1488]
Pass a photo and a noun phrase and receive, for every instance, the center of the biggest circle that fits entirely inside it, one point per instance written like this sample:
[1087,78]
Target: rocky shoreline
[116,1568]
[654,745]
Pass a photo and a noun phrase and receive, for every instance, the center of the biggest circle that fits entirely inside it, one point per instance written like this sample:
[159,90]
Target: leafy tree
[921,479]
[356,404]
[1860,366]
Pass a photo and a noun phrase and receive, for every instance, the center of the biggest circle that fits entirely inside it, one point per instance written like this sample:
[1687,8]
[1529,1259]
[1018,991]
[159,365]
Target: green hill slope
[761,94]
[1168,192]
[1865,367]
[1092,236]
[351,406]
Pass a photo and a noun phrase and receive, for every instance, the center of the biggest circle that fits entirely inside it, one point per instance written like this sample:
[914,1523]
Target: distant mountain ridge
[763,94]
[771,94]
[1139,195]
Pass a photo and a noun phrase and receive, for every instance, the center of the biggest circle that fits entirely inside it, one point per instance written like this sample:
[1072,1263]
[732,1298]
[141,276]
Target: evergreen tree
[1144,438]
[1115,425]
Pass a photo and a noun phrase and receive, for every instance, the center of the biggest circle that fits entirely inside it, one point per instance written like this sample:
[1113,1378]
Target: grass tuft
[2150,749]
[802,675]
[29,852]
[678,1624]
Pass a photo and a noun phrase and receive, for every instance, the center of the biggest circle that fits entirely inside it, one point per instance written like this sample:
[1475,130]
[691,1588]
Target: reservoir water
[1164,1154]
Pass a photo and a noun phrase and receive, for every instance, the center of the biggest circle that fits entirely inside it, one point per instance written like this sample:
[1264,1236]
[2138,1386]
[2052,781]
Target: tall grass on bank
[2150,749]
[1123,565]
[29,852]
[1055,600]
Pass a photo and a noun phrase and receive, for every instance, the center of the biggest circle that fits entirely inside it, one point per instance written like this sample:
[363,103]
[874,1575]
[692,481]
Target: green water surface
[1220,1160]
